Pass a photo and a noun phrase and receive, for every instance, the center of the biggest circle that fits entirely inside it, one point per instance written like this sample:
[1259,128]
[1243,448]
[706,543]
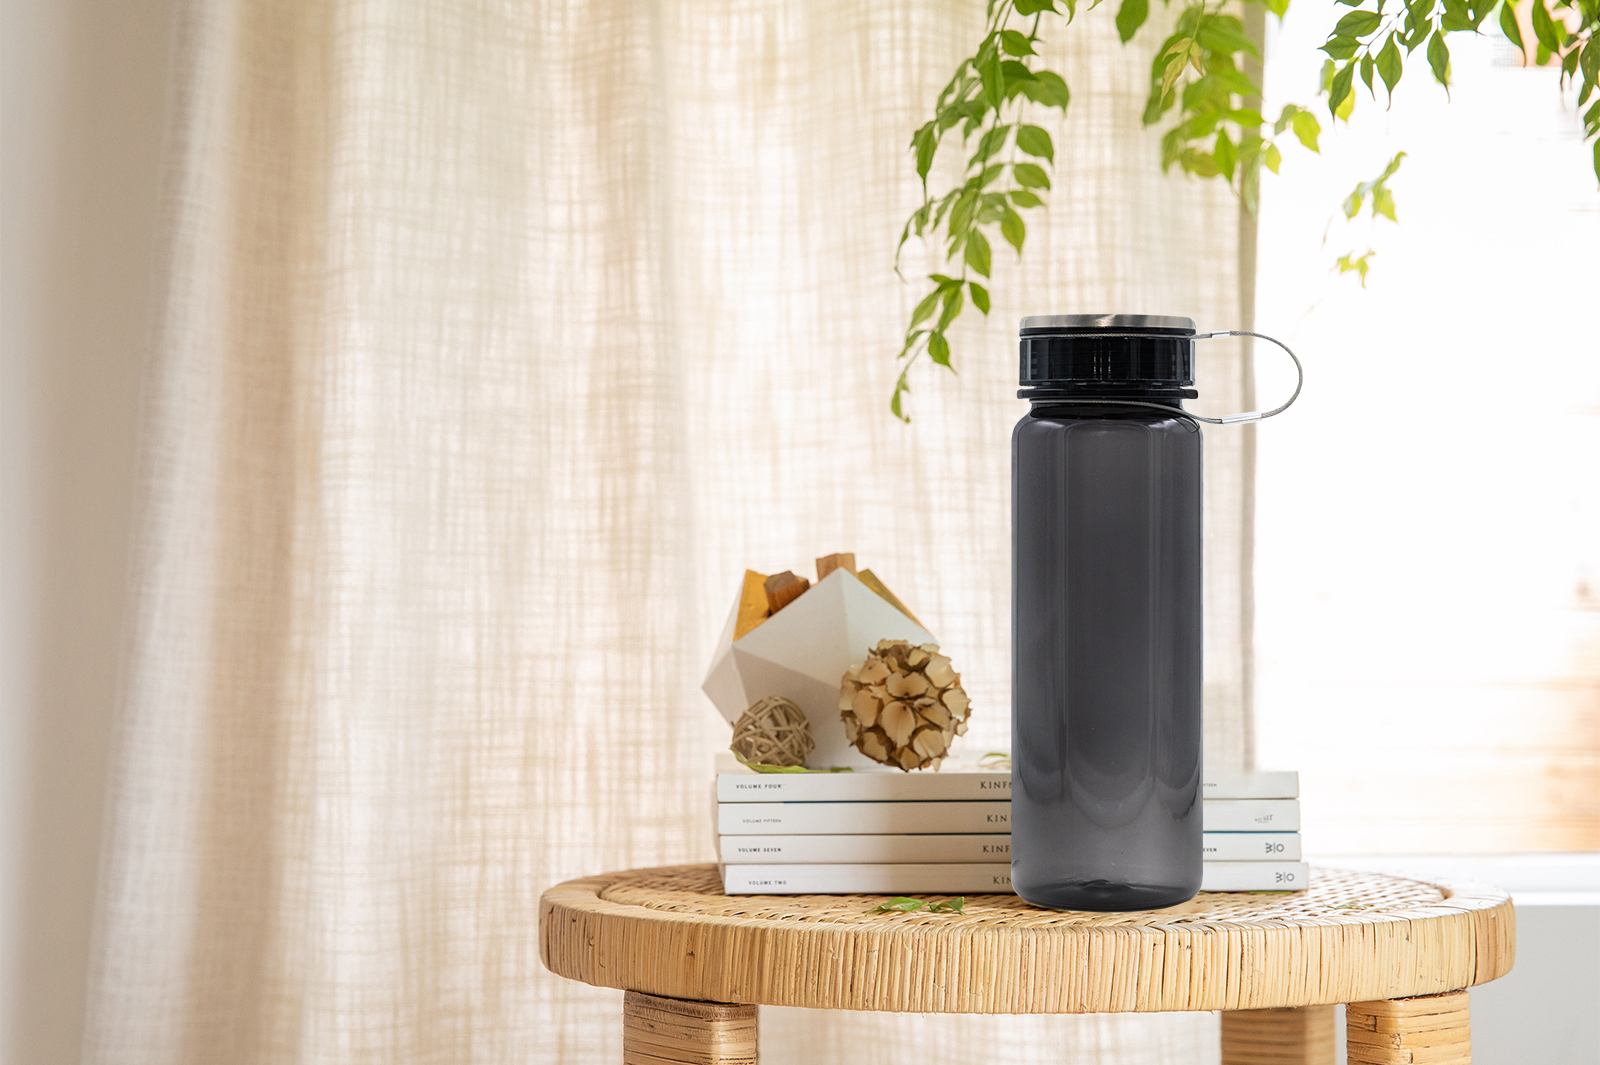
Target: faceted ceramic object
[802,652]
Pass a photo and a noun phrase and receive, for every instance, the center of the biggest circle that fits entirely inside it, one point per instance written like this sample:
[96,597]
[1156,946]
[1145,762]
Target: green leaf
[1226,156]
[1543,28]
[990,143]
[1272,157]
[900,903]
[1455,18]
[1200,125]
[1015,73]
[1174,71]
[953,302]
[1130,16]
[939,349]
[1383,203]
[1200,163]
[1235,81]
[1285,117]
[1340,89]
[1390,64]
[1047,88]
[1030,176]
[980,296]
[961,215]
[1353,202]
[1357,264]
[1341,47]
[1025,199]
[1366,74]
[1439,55]
[1033,7]
[978,252]
[1307,129]
[956,905]
[900,388]
[1224,34]
[1036,141]
[925,309]
[1013,229]
[1278,7]
[1015,43]
[994,83]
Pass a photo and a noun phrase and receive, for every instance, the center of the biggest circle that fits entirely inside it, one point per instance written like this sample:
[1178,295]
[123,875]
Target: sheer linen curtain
[498,340]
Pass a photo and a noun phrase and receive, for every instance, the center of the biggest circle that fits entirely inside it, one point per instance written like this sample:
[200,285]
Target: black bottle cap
[1082,353]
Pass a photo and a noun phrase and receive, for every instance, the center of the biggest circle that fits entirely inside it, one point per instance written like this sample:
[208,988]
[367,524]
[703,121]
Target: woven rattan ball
[773,731]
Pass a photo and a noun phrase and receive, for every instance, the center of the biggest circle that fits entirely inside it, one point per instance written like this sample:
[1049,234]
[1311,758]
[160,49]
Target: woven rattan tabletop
[1351,937]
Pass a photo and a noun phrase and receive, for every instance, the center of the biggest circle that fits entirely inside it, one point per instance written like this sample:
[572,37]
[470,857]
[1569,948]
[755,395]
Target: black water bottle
[1106,615]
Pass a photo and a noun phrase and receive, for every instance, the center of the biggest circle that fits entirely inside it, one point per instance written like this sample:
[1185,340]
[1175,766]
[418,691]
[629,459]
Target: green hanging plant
[1204,87]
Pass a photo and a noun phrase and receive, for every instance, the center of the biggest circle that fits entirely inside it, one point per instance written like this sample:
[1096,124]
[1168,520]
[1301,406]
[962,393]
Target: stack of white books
[949,832]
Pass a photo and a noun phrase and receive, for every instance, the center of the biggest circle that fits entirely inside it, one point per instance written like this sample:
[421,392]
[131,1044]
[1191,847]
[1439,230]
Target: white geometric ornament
[802,652]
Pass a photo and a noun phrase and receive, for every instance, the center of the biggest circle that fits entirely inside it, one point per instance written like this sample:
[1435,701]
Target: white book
[864,786]
[1280,784]
[1252,815]
[941,848]
[851,850]
[956,818]
[1255,876]
[1250,846]
[950,786]
[861,818]
[962,878]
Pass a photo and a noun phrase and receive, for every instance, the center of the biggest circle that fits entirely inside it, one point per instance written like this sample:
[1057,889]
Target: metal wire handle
[1231,419]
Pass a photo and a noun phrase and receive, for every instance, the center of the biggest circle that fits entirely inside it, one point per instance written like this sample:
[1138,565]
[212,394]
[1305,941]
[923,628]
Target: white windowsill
[1532,879]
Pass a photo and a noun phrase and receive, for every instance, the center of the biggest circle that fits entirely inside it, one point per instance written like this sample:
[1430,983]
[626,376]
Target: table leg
[1302,1035]
[1430,1028]
[673,1031]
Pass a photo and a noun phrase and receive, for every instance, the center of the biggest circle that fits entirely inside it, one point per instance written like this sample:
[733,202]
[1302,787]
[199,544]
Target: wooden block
[1295,1036]
[752,603]
[828,563]
[668,1031]
[871,580]
[1426,1030]
[783,589]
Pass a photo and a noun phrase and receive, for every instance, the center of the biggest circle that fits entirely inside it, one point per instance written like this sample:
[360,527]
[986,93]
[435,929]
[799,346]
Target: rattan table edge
[1466,939]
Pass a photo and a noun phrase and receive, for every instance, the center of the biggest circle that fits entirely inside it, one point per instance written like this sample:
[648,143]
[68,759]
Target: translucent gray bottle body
[1106,658]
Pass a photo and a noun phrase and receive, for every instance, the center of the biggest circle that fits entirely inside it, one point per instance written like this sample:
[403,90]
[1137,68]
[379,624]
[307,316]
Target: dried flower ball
[904,705]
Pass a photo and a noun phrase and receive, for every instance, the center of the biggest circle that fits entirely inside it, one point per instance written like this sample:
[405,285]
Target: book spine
[863,787]
[950,787]
[1273,785]
[867,879]
[812,850]
[1255,876]
[960,878]
[862,818]
[954,818]
[900,849]
[1251,815]
[1250,846]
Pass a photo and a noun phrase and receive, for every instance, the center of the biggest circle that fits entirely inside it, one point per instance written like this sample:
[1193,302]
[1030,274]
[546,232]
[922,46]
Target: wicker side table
[697,962]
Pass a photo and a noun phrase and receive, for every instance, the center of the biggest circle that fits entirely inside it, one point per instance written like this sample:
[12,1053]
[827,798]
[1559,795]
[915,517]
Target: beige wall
[83,105]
